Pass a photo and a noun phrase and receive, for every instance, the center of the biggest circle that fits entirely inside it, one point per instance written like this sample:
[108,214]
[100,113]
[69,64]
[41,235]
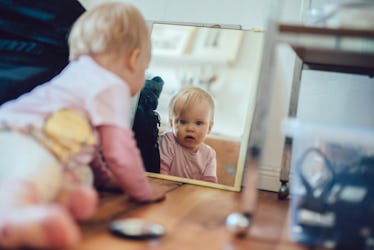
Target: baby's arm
[210,173]
[166,154]
[124,161]
[209,179]
[164,168]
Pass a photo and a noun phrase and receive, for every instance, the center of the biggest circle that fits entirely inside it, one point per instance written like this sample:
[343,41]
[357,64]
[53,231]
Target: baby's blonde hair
[109,27]
[188,97]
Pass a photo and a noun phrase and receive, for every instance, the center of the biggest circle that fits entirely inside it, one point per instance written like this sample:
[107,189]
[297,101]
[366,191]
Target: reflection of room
[229,77]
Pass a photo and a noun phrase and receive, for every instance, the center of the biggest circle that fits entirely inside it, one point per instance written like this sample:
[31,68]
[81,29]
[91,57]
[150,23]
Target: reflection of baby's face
[193,125]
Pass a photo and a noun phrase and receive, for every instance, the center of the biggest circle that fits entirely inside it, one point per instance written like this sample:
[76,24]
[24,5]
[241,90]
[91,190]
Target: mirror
[224,61]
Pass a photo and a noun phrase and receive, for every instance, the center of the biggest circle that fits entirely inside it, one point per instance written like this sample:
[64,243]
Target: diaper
[23,158]
[45,155]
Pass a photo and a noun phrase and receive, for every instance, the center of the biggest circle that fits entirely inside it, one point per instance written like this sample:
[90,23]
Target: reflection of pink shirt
[179,161]
[104,99]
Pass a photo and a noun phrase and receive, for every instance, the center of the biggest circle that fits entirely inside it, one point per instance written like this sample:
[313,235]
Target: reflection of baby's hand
[157,196]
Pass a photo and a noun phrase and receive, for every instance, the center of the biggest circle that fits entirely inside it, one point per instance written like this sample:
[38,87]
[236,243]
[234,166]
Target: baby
[182,151]
[48,137]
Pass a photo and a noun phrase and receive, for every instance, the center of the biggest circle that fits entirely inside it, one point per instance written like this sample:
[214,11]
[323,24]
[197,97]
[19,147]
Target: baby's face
[192,126]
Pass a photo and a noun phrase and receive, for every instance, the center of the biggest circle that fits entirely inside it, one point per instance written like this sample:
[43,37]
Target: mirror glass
[224,61]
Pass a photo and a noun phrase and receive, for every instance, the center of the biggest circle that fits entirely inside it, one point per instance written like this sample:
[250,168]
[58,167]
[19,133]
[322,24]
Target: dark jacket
[33,42]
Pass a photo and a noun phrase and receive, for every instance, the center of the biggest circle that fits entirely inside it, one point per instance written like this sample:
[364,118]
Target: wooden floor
[194,218]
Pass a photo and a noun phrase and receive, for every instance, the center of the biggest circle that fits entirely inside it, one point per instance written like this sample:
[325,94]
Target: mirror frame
[245,140]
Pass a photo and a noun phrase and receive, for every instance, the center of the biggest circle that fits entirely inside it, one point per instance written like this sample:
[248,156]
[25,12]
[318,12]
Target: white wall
[206,11]
[337,97]
[324,96]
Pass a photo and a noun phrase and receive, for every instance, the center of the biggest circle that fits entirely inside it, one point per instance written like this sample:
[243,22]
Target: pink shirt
[104,99]
[83,86]
[179,161]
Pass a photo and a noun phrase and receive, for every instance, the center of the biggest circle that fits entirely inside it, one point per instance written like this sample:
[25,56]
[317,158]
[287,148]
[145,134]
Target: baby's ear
[133,59]
[210,127]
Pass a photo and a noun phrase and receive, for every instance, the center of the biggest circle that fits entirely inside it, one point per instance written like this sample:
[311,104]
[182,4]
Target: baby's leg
[17,193]
[24,159]
[80,200]
[77,193]
[26,222]
[30,177]
[38,226]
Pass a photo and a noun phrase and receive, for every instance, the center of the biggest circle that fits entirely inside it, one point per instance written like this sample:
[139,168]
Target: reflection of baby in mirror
[183,152]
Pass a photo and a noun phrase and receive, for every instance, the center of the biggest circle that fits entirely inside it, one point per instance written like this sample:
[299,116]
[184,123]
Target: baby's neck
[112,63]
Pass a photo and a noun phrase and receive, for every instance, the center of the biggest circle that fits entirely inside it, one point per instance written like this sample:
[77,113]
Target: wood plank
[194,218]
[227,158]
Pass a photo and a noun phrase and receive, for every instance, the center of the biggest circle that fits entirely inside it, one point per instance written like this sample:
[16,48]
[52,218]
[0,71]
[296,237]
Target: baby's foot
[80,200]
[40,226]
